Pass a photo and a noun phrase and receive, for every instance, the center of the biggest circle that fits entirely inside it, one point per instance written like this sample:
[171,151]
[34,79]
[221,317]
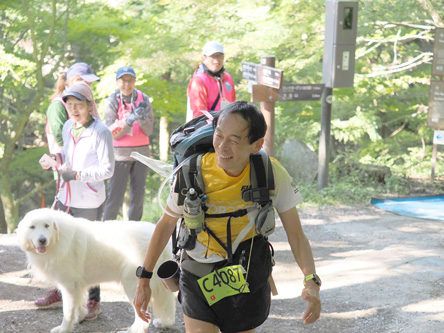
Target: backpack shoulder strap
[190,175]
[261,178]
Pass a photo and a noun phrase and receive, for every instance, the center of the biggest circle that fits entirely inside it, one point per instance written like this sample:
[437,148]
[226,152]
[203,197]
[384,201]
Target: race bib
[224,282]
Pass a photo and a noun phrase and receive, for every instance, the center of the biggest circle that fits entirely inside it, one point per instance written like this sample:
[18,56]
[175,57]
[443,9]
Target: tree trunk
[163,138]
[6,195]
[3,226]
[10,212]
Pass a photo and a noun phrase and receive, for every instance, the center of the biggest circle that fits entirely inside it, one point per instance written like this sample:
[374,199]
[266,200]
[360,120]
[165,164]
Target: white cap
[212,48]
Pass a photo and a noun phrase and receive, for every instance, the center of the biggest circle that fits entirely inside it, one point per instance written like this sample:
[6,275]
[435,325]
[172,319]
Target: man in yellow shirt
[234,295]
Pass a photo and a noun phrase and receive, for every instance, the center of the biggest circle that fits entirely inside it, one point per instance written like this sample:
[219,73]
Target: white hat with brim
[212,47]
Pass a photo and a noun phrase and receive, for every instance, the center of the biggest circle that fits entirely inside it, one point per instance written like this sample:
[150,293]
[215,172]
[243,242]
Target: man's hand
[142,298]
[311,294]
[68,174]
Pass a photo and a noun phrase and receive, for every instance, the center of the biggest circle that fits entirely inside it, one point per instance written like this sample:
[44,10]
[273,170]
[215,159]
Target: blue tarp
[431,208]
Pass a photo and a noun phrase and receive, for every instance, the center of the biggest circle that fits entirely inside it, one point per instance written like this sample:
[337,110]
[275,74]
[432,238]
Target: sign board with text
[249,71]
[435,115]
[301,92]
[438,53]
[261,74]
[269,76]
[438,137]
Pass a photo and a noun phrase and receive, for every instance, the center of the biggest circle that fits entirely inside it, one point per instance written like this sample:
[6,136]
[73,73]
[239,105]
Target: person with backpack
[211,87]
[129,116]
[226,259]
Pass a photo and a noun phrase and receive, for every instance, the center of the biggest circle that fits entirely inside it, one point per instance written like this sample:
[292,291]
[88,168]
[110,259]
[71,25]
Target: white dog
[75,254]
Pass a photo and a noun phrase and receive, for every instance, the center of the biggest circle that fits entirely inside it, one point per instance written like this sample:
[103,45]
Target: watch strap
[313,277]
[144,273]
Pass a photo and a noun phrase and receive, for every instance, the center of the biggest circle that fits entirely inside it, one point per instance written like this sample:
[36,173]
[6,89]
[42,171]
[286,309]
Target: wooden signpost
[265,86]
[435,115]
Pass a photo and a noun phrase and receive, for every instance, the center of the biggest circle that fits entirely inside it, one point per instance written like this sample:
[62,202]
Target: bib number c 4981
[224,282]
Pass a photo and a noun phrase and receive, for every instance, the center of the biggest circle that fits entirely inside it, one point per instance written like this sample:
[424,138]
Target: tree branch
[35,191]
[427,5]
[402,67]
[395,50]
[396,39]
[32,30]
[386,25]
[51,31]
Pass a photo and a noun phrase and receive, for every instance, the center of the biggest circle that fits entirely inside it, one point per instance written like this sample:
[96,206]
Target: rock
[377,172]
[299,160]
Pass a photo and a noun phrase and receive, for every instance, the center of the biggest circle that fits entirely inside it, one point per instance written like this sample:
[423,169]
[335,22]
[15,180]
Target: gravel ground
[381,273]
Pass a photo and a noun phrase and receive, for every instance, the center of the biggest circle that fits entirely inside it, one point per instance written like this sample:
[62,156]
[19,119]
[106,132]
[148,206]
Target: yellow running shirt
[224,196]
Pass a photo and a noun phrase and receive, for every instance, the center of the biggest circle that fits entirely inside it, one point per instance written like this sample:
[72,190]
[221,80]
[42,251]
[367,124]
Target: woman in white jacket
[87,157]
[86,160]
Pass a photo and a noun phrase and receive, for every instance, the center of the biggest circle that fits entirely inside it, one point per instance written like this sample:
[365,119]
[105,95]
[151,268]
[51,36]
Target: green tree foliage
[39,40]
[28,39]
[383,117]
[381,120]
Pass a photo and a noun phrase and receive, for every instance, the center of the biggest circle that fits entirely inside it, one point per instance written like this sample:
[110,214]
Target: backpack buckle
[259,195]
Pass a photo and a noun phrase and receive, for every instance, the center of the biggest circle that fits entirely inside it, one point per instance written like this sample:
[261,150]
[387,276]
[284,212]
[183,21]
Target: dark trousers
[92,214]
[136,172]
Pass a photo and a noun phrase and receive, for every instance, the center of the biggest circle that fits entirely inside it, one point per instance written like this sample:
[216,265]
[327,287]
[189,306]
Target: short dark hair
[248,111]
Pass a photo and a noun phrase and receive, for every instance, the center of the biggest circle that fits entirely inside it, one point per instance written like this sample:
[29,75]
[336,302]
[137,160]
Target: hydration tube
[166,180]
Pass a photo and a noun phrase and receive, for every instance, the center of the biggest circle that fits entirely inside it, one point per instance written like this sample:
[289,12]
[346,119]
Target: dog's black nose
[42,241]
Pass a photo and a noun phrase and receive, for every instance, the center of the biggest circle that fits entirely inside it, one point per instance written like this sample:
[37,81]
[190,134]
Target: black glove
[68,175]
[142,111]
[131,118]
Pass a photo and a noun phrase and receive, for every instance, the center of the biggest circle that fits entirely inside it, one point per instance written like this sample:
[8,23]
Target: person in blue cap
[129,116]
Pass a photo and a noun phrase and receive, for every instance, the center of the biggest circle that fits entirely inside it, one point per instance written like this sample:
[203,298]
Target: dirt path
[381,273]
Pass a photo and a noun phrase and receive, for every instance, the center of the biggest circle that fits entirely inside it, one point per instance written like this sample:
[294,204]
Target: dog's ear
[52,219]
[56,230]
[22,237]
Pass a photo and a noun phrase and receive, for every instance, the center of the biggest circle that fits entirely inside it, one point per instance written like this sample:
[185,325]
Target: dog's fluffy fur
[75,254]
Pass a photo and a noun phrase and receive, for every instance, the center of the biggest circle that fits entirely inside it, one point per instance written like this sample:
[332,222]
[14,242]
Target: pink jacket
[204,89]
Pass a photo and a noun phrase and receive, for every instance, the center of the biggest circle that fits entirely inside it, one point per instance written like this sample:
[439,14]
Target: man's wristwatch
[315,277]
[141,272]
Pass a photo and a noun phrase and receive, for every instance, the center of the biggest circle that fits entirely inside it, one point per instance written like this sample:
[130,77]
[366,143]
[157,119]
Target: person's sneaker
[52,299]
[93,309]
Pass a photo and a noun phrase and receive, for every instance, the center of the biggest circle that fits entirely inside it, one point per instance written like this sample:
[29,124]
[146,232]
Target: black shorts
[234,313]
